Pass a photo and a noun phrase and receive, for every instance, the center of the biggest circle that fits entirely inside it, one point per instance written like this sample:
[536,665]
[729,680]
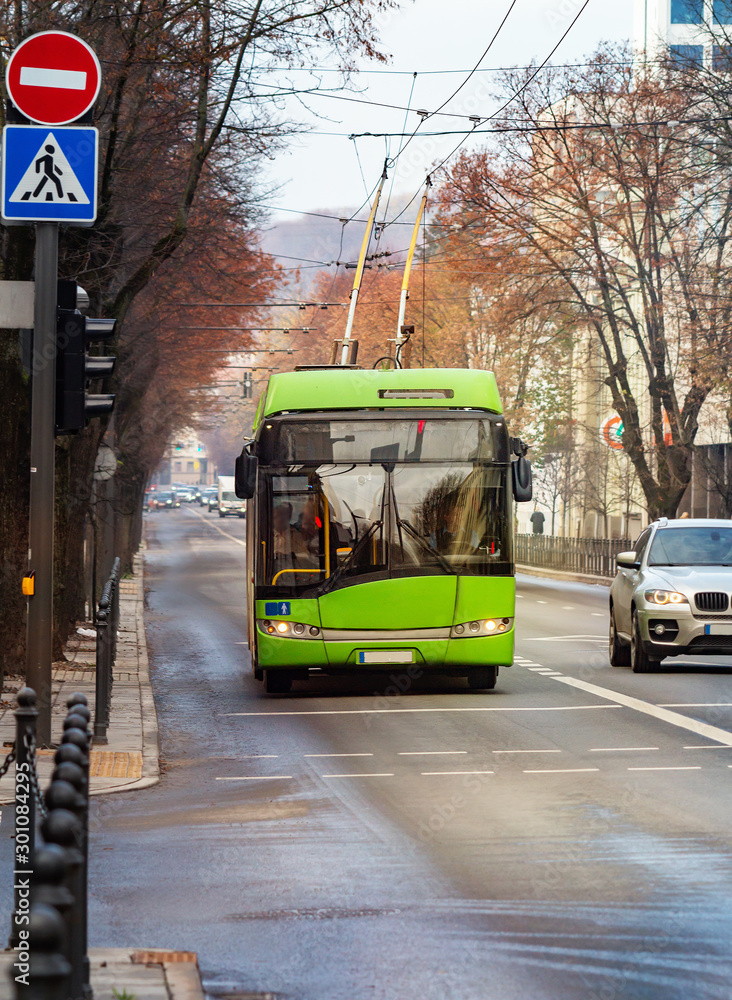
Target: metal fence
[593,556]
[49,921]
[107,624]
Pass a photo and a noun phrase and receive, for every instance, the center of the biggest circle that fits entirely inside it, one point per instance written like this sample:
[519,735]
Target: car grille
[712,618]
[711,642]
[711,600]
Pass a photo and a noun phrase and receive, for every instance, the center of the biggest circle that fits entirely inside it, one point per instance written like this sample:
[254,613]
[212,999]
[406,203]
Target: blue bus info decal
[277,608]
[49,174]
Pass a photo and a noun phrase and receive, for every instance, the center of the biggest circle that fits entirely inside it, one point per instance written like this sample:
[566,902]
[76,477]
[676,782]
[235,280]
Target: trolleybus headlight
[298,628]
[291,630]
[314,630]
[282,627]
[488,626]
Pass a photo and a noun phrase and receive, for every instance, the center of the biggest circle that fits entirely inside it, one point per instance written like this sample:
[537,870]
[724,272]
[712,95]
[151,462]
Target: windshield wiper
[348,561]
[426,545]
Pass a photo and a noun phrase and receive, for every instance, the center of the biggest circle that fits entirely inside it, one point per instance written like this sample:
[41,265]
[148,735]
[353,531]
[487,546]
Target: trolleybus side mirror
[521,476]
[245,476]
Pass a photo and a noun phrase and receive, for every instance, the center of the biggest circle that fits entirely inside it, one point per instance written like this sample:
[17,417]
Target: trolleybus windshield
[393,498]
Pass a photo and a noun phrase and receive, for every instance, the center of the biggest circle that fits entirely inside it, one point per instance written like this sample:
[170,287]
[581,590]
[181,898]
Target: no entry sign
[53,78]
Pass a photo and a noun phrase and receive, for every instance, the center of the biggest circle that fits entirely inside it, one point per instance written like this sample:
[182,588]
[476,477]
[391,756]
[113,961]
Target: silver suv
[671,594]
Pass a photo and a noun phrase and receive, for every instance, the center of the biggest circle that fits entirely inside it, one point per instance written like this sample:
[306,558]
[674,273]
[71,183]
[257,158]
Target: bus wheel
[277,681]
[482,678]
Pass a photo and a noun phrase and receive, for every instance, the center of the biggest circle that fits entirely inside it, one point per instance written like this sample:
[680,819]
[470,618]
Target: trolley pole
[39,638]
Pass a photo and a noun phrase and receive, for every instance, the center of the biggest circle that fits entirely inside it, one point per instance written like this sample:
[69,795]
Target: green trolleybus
[379,525]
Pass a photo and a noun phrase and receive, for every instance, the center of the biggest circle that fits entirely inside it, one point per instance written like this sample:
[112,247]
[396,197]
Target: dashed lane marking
[561,770]
[426,774]
[567,638]
[384,774]
[338,755]
[619,749]
[526,751]
[429,753]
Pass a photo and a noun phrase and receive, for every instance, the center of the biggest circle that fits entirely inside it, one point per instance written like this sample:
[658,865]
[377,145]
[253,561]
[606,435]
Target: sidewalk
[560,574]
[130,760]
[118,972]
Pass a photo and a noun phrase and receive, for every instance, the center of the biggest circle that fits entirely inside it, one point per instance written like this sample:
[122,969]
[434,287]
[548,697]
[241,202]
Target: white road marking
[385,774]
[257,756]
[215,527]
[552,673]
[542,602]
[537,669]
[260,777]
[562,770]
[427,773]
[338,755]
[567,607]
[598,614]
[565,638]
[402,711]
[696,704]
[618,749]
[428,753]
[60,79]
[706,746]
[519,597]
[695,768]
[662,714]
[526,751]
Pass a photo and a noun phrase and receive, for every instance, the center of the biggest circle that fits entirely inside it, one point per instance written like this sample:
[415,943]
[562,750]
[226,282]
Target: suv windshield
[707,546]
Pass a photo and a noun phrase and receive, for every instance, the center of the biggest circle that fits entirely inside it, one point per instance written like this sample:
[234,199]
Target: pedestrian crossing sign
[49,174]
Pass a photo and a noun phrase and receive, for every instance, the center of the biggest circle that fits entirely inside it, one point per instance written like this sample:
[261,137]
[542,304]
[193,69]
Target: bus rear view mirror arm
[245,476]
[522,482]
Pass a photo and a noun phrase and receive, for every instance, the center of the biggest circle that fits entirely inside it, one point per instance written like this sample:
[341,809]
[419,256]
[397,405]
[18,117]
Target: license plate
[386,656]
[718,628]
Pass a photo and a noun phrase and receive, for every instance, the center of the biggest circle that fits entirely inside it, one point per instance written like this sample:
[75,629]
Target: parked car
[671,594]
[166,500]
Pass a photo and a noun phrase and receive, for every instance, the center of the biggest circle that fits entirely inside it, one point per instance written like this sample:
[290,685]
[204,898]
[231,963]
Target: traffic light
[247,385]
[75,369]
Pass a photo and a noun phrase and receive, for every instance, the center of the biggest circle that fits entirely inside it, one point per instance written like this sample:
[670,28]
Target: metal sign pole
[39,642]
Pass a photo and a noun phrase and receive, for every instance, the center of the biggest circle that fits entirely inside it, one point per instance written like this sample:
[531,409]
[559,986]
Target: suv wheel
[619,653]
[640,661]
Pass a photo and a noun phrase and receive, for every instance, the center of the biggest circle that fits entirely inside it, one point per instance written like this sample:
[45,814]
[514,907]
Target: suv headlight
[288,630]
[665,597]
[481,627]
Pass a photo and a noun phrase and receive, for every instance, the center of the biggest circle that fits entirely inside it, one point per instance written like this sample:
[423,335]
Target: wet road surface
[566,837]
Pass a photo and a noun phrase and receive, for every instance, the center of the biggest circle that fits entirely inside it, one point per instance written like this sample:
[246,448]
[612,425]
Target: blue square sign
[49,174]
[275,609]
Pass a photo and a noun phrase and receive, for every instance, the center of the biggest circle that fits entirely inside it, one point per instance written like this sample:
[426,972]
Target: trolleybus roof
[346,389]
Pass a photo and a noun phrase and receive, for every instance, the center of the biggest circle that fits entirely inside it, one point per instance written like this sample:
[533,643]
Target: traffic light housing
[247,386]
[75,369]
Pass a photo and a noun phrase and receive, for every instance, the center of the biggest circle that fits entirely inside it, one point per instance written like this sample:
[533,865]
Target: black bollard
[25,807]
[50,889]
[63,827]
[71,738]
[47,969]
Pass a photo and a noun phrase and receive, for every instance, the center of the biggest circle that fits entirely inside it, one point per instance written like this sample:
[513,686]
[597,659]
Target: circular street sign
[105,465]
[611,433]
[53,78]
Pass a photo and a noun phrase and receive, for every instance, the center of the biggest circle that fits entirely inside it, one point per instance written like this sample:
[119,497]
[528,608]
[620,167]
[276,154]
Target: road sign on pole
[49,175]
[53,78]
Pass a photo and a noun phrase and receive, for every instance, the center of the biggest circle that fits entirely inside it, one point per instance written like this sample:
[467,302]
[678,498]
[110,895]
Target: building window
[189,467]
[177,466]
[688,55]
[722,59]
[722,11]
[689,11]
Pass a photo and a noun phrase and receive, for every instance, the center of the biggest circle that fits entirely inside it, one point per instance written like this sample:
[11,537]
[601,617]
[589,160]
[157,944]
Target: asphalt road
[566,837]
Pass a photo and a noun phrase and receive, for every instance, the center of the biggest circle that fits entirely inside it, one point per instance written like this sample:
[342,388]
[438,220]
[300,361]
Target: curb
[558,574]
[148,711]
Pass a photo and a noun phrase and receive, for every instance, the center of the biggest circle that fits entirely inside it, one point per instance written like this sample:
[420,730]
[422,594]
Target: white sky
[320,171]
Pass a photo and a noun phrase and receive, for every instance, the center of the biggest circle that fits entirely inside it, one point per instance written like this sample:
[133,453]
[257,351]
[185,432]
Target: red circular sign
[53,78]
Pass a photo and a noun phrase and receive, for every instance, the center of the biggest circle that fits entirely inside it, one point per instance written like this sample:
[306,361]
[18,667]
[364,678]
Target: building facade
[186,461]
[684,28]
